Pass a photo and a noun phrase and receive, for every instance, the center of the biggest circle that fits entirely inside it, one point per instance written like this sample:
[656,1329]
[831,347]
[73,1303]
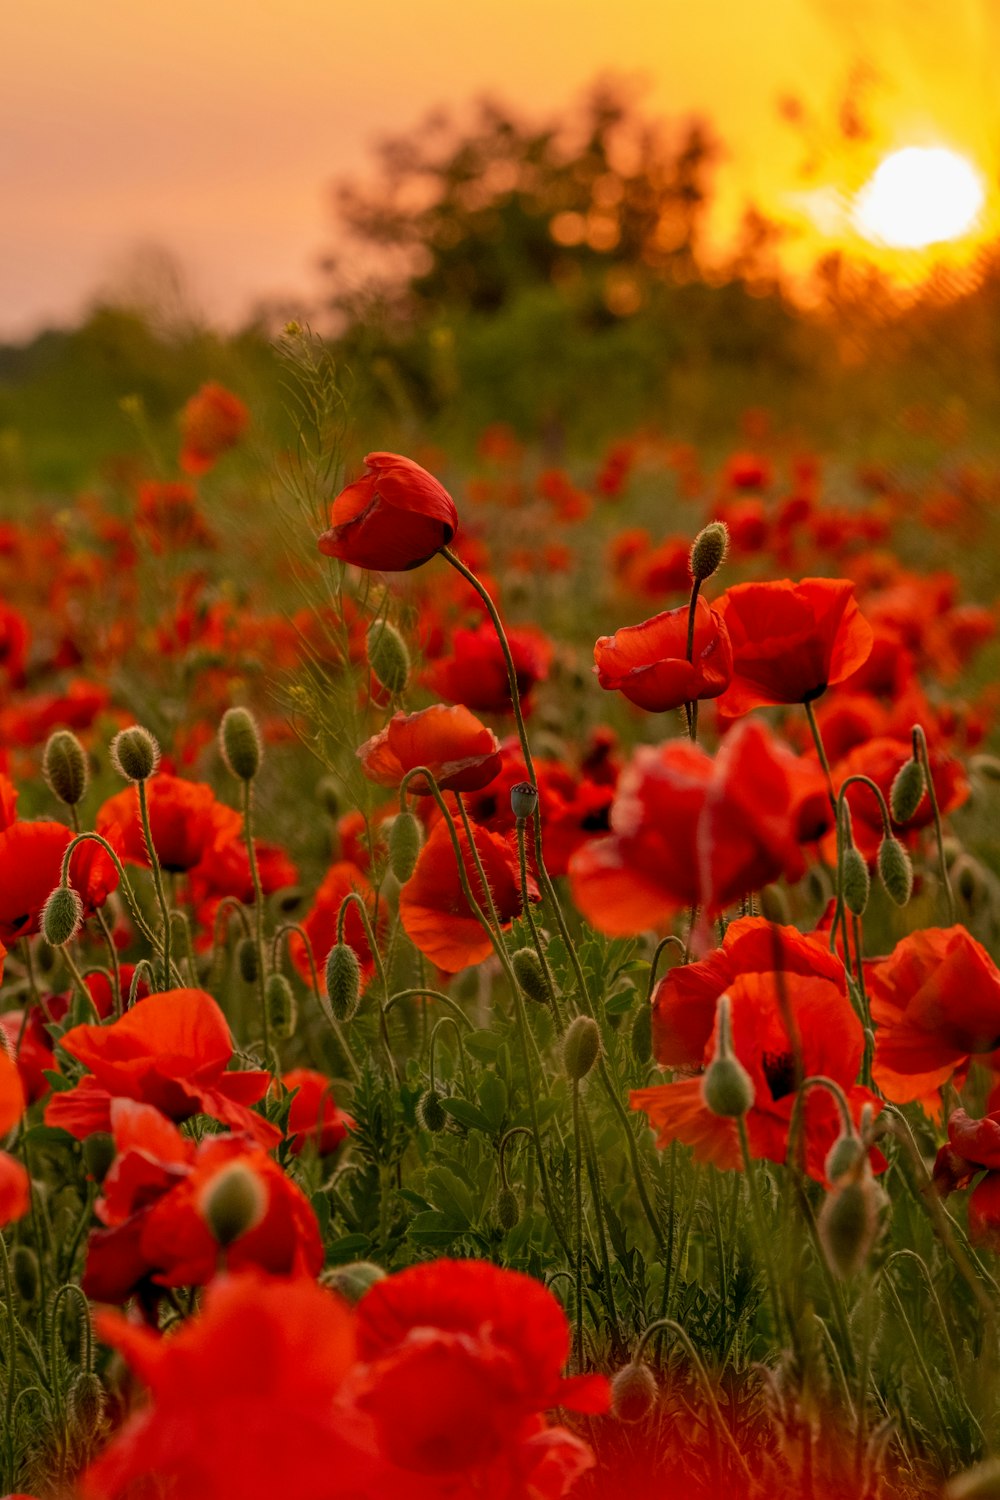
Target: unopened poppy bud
[642,1034]
[907,791]
[24,1269]
[727,1088]
[508,1209]
[246,960]
[61,916]
[523,800]
[848,1222]
[709,550]
[343,981]
[895,870]
[353,1280]
[843,1156]
[239,742]
[633,1392]
[388,657]
[774,905]
[233,1202]
[64,766]
[86,1404]
[581,1047]
[430,1112]
[857,881]
[405,840]
[279,998]
[530,975]
[328,796]
[98,1154]
[135,753]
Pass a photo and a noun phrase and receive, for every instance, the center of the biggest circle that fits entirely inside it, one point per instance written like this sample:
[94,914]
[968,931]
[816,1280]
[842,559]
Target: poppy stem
[578,1195]
[763,1240]
[116,972]
[258,925]
[718,1424]
[691,709]
[821,752]
[285,931]
[154,865]
[550,983]
[920,744]
[354,899]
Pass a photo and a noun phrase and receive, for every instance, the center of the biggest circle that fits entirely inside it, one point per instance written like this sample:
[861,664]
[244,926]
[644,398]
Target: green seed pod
[530,975]
[843,1156]
[64,766]
[135,753]
[907,791]
[523,800]
[353,1280]
[709,550]
[343,981]
[727,1088]
[508,1209]
[388,657]
[24,1269]
[642,1034]
[633,1392]
[98,1154]
[61,916]
[246,960]
[405,839]
[86,1404]
[239,742]
[895,870]
[279,997]
[857,881]
[848,1223]
[430,1112]
[233,1202]
[581,1047]
[328,796]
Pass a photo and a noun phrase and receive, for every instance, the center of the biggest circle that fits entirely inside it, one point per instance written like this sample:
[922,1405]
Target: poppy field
[498,983]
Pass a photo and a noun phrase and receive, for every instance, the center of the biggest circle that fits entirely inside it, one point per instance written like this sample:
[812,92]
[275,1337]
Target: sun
[919,196]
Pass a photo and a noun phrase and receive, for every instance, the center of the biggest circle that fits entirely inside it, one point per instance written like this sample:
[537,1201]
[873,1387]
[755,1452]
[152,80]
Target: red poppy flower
[476,673]
[688,830]
[15,1198]
[168,516]
[432,905]
[8,802]
[791,640]
[185,818]
[170,1051]
[392,519]
[973,1147]
[936,1005]
[881,759]
[458,1358]
[320,922]
[461,753]
[31,856]
[648,662]
[314,1115]
[14,639]
[213,421]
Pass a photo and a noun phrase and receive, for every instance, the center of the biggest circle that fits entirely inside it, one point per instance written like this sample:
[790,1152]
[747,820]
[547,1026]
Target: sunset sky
[213,127]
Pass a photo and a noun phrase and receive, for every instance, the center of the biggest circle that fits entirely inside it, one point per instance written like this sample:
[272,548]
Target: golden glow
[919,196]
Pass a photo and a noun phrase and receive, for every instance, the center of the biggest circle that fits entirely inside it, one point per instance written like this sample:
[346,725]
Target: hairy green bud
[353,1280]
[343,981]
[843,1156]
[581,1047]
[388,657]
[895,870]
[239,742]
[64,766]
[61,916]
[86,1404]
[708,552]
[508,1209]
[633,1392]
[530,975]
[907,791]
[405,839]
[848,1222]
[246,960]
[430,1112]
[24,1269]
[642,1034]
[233,1202]
[857,881]
[279,997]
[135,753]
[328,795]
[727,1088]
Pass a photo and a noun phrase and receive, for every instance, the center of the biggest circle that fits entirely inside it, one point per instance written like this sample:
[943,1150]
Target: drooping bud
[343,981]
[907,791]
[633,1392]
[581,1047]
[388,657]
[895,870]
[135,753]
[727,1088]
[530,975]
[405,839]
[843,1156]
[508,1209]
[708,552]
[61,916]
[430,1112]
[642,1034]
[353,1280]
[857,881]
[24,1269]
[246,960]
[523,800]
[86,1404]
[848,1221]
[64,766]
[279,997]
[239,742]
[233,1202]
[328,796]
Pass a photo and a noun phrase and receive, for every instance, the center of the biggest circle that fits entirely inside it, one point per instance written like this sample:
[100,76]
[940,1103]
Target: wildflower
[648,663]
[392,519]
[460,752]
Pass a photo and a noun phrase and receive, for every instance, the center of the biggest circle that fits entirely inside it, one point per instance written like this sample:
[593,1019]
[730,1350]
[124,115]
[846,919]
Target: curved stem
[154,865]
[258,911]
[920,743]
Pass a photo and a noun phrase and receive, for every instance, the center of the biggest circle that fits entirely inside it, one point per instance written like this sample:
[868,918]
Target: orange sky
[211,126]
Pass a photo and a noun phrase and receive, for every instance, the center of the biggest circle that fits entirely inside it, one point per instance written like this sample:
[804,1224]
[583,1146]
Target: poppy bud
[61,916]
[907,791]
[530,975]
[239,742]
[709,551]
[343,981]
[642,1034]
[523,800]
[281,1008]
[233,1202]
[328,796]
[895,870]
[246,960]
[405,840]
[85,1404]
[857,881]
[633,1392]
[508,1209]
[430,1112]
[848,1222]
[727,1088]
[135,753]
[98,1154]
[581,1047]
[353,1280]
[843,1156]
[24,1269]
[388,657]
[774,905]
[64,766]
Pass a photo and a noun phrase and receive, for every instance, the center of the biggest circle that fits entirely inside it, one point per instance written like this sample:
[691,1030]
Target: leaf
[493,1099]
[451,1195]
[321,1208]
[620,1002]
[433,1229]
[483,1045]
[350,1247]
[466,1114]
